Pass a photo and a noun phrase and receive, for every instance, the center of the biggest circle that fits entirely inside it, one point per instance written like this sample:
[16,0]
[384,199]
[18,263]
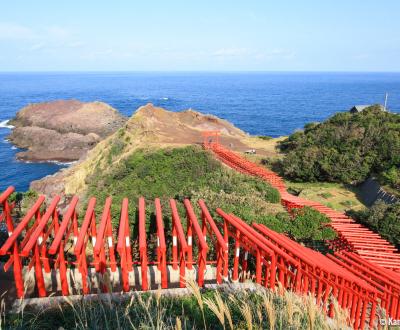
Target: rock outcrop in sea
[62,130]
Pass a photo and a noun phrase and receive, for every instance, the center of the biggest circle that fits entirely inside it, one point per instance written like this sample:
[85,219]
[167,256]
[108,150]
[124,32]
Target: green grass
[180,173]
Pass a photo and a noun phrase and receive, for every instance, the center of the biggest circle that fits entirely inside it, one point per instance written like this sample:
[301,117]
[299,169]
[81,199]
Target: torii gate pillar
[210,137]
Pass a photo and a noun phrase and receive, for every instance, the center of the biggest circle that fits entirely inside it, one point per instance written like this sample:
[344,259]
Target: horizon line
[196,71]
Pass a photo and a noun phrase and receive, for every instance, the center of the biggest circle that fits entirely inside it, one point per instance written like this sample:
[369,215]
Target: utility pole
[386,96]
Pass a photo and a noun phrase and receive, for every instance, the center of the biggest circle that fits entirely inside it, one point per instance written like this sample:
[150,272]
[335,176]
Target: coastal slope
[150,127]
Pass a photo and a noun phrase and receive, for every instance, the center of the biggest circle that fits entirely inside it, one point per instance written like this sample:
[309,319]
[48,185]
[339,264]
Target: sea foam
[56,162]
[61,163]
[4,124]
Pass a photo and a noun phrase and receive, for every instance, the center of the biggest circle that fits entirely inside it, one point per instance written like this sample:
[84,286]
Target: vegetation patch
[193,173]
[338,196]
[265,137]
[260,309]
[347,148]
[309,224]
[180,173]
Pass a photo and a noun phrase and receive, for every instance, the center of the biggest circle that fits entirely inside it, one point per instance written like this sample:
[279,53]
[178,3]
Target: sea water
[261,103]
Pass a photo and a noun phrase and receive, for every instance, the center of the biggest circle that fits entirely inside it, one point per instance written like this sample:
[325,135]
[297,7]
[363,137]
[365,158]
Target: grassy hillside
[346,148]
[179,173]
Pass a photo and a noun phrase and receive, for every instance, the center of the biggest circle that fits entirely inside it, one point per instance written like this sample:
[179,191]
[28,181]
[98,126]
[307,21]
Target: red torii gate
[351,235]
[210,137]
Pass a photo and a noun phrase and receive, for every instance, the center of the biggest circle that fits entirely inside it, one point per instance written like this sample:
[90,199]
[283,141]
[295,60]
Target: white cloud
[278,53]
[361,56]
[37,46]
[231,52]
[257,54]
[49,39]
[58,32]
[96,54]
[11,31]
[46,34]
[76,44]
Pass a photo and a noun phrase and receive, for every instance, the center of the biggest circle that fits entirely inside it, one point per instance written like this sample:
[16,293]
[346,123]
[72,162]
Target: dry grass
[333,195]
[264,147]
[312,310]
[269,309]
[247,313]
[194,288]
[216,306]
[217,309]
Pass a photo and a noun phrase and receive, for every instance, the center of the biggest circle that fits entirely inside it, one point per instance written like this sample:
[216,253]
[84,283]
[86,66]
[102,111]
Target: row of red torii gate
[107,252]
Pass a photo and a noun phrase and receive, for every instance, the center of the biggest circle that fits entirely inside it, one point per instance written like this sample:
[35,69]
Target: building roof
[359,108]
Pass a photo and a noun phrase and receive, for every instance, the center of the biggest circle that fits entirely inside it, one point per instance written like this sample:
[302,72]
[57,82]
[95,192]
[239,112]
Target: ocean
[259,103]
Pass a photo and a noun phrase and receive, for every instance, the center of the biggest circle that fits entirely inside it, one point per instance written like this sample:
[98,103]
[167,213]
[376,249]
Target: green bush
[347,203]
[117,146]
[391,177]
[23,201]
[346,148]
[309,224]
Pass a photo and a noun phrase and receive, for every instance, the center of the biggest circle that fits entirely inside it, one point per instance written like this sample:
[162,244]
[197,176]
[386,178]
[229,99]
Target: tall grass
[204,309]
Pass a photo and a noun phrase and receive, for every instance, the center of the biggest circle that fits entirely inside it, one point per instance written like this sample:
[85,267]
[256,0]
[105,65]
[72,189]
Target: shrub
[391,177]
[309,224]
[346,148]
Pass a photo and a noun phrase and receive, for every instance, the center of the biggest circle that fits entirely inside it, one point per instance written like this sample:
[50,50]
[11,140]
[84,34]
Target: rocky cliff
[62,130]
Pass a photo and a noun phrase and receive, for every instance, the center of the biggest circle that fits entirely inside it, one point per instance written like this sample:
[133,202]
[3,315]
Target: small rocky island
[62,130]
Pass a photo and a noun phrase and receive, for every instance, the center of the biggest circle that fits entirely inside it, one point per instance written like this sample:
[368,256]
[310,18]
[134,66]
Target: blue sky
[357,35]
